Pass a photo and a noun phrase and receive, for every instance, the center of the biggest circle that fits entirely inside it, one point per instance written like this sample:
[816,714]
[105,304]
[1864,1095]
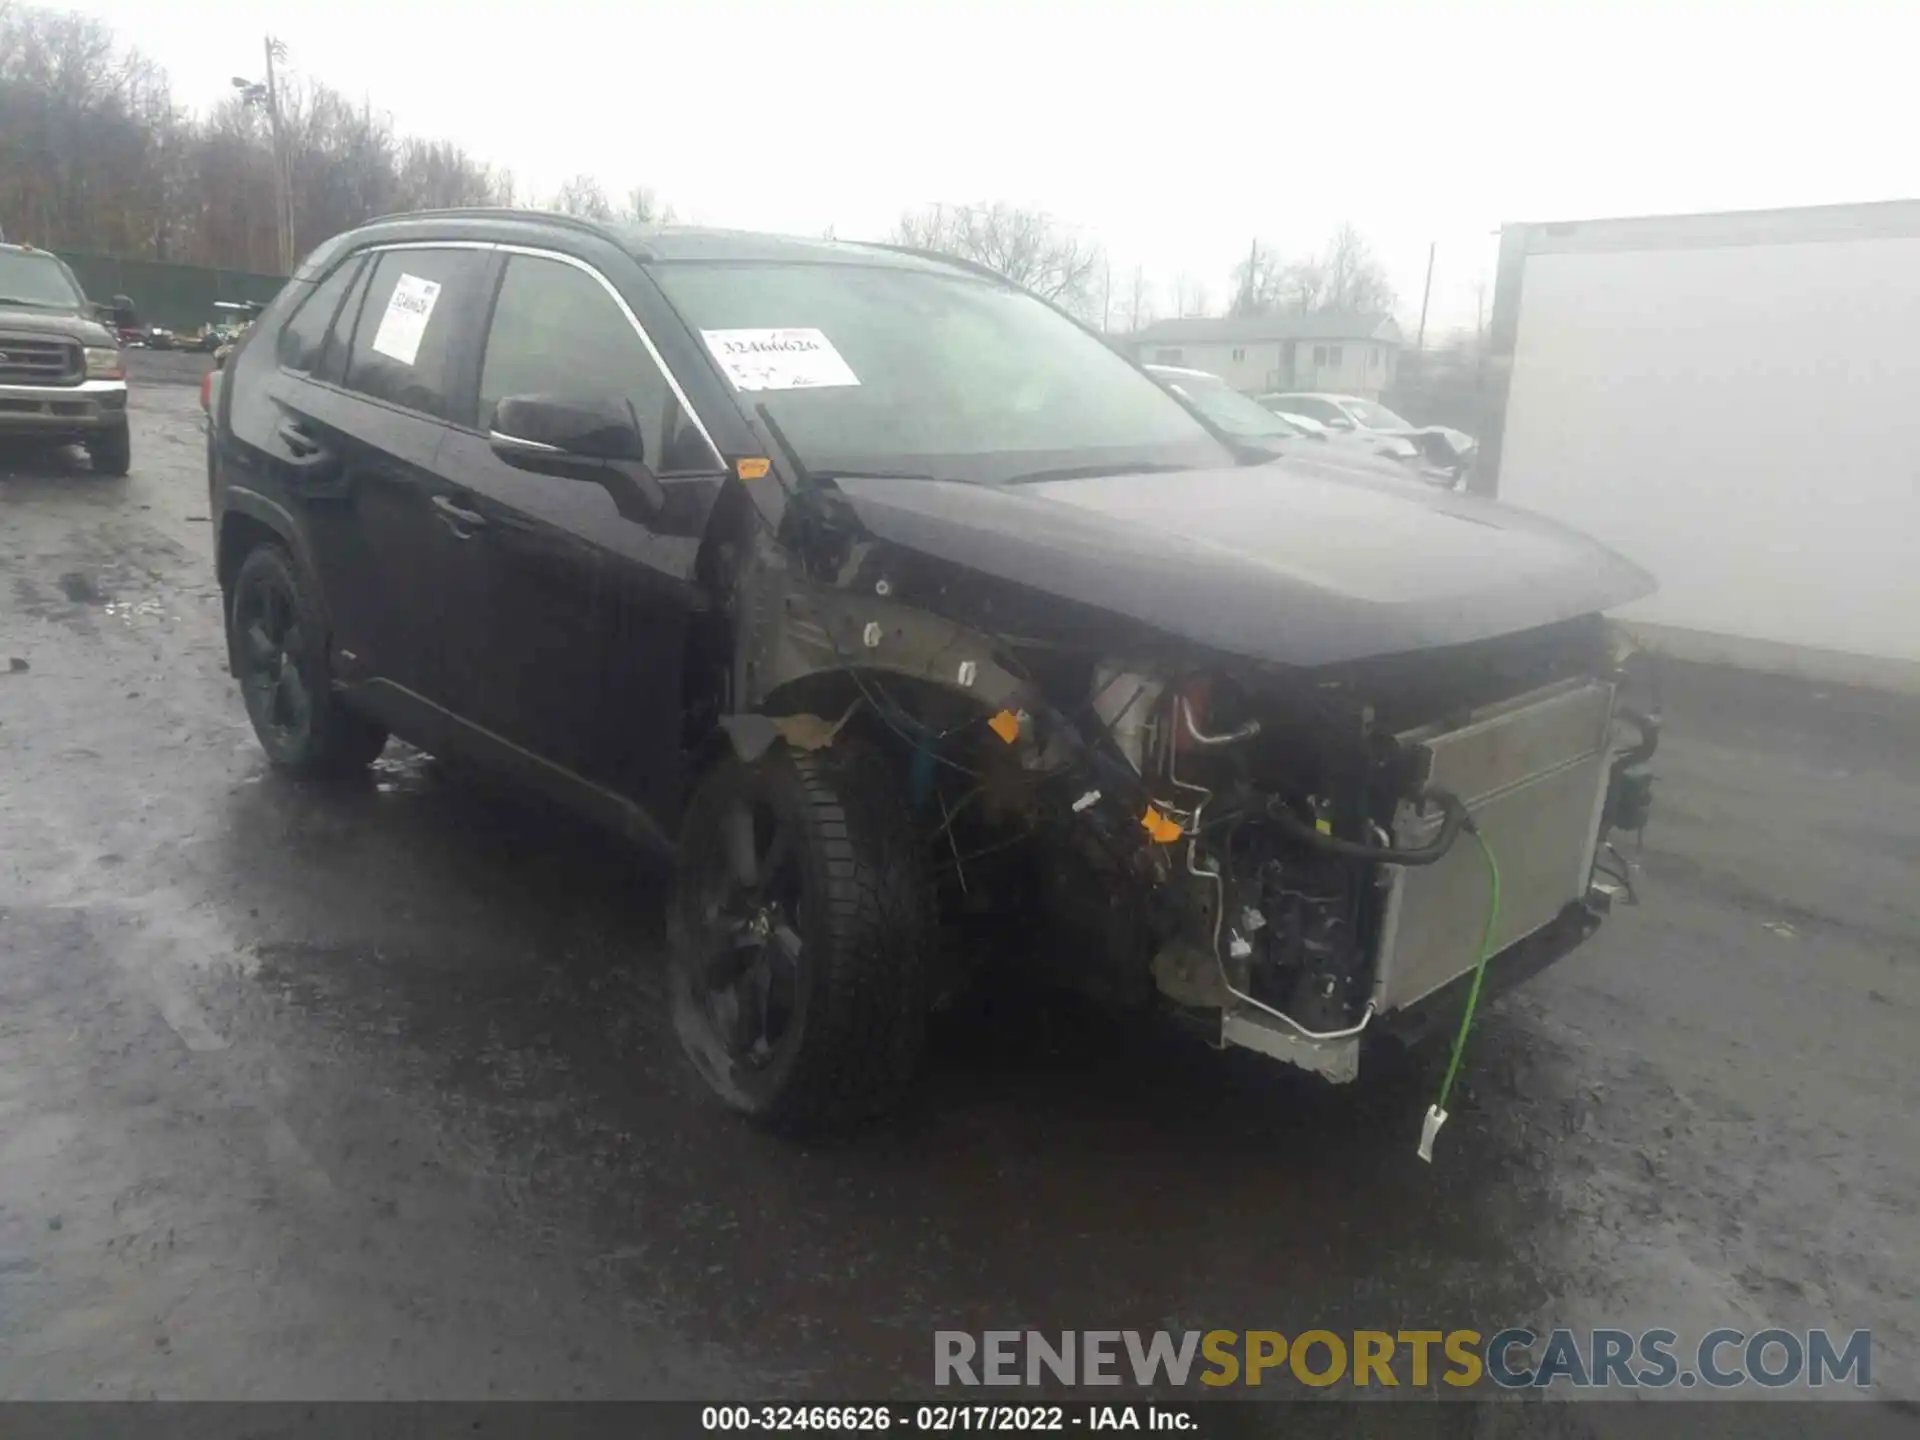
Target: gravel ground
[369,1093]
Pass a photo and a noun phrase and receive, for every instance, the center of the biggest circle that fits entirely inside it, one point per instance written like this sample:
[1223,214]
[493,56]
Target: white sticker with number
[405,322]
[779,359]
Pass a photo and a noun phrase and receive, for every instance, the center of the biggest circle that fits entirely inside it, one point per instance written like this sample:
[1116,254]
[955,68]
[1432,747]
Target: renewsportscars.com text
[1510,1359]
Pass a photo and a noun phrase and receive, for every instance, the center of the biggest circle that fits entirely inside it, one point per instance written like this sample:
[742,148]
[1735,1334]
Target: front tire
[111,451]
[279,648]
[801,927]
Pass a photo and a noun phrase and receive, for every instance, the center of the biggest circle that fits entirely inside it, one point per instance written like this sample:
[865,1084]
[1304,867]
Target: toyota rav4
[883,596]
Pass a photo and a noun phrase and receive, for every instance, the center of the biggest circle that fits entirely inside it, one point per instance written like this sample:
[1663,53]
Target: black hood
[1291,562]
[54,324]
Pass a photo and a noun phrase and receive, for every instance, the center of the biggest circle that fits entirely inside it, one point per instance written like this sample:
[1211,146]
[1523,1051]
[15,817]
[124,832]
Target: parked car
[62,376]
[211,336]
[1440,445]
[1249,423]
[231,323]
[873,590]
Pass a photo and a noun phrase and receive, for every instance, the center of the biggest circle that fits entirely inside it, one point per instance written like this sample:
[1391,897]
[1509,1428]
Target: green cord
[1480,970]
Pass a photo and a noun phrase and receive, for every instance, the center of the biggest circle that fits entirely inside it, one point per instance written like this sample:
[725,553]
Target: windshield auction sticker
[405,322]
[779,359]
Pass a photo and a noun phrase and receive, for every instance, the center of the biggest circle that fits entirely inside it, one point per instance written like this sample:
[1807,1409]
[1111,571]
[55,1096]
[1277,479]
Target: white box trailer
[1733,402]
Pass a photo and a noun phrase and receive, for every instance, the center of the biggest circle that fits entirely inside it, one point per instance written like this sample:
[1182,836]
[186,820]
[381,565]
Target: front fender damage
[1249,845]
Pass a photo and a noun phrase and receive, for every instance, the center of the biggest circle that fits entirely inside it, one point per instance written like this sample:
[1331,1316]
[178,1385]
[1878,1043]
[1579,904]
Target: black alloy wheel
[802,922]
[279,698]
[279,649]
[750,954]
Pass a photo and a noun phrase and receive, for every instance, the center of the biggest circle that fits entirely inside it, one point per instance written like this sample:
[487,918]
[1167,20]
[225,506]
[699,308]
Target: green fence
[180,297]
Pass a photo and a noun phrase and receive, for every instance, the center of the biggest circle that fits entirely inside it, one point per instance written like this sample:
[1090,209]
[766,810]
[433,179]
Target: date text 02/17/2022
[945,1419]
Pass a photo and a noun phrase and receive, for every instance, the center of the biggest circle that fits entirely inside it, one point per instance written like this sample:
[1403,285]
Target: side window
[403,343]
[333,356]
[556,331]
[305,332]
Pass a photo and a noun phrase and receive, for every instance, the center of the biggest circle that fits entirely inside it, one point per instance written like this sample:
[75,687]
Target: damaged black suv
[883,595]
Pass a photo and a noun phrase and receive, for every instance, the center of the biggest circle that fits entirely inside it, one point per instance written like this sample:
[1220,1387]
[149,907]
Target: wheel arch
[248,520]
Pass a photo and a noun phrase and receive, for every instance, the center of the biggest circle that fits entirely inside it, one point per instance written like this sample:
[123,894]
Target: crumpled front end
[1337,834]
[1285,856]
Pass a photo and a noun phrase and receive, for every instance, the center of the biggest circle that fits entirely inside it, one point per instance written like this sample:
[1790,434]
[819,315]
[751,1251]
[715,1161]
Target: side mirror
[596,428]
[1339,422]
[595,438]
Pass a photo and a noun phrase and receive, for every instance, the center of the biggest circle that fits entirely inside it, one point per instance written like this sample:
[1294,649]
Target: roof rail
[505,212]
[959,262]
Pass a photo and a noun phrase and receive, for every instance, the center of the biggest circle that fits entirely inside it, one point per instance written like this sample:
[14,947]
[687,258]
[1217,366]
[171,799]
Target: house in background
[1334,350]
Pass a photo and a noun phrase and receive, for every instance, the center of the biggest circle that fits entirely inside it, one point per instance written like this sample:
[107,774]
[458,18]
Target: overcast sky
[1171,133]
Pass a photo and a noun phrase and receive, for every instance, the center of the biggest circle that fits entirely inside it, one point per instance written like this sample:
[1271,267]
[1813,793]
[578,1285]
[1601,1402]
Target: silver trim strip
[673,381]
[495,437]
[507,247]
[416,245]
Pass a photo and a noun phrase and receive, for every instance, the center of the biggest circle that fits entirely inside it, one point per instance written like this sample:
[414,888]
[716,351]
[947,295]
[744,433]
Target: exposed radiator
[1533,773]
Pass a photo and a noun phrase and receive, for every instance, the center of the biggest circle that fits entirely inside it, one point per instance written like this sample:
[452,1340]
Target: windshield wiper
[1095,472]
[37,304]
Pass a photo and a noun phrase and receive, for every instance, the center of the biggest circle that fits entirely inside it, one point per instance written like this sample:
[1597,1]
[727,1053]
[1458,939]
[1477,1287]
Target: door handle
[298,439]
[312,470]
[461,521]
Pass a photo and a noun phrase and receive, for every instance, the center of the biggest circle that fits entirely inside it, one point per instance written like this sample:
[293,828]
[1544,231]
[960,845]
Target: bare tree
[1352,278]
[95,155]
[1029,248]
[1139,300]
[1189,296]
[644,207]
[583,196]
[1344,276]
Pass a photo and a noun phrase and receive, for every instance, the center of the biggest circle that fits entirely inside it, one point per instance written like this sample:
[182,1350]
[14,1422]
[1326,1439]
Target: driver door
[572,645]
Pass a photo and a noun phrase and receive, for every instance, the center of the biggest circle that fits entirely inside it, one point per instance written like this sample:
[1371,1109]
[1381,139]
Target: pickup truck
[63,377]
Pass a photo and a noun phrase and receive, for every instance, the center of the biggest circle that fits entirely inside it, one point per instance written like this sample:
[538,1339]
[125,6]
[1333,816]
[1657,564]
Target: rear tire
[798,979]
[111,451]
[279,647]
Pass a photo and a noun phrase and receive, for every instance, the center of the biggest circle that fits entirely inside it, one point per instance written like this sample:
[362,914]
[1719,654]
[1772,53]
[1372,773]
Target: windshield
[37,280]
[1226,407]
[1376,417]
[889,369]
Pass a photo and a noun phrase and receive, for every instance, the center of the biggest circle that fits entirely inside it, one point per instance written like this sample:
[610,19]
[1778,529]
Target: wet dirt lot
[368,1092]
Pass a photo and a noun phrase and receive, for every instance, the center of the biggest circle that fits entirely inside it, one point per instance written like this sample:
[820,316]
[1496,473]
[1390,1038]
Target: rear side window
[556,331]
[410,318]
[333,357]
[305,332]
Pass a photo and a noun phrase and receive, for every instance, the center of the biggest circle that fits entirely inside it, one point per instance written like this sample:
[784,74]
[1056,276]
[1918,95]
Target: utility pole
[255,92]
[282,172]
[1426,293]
[1253,265]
